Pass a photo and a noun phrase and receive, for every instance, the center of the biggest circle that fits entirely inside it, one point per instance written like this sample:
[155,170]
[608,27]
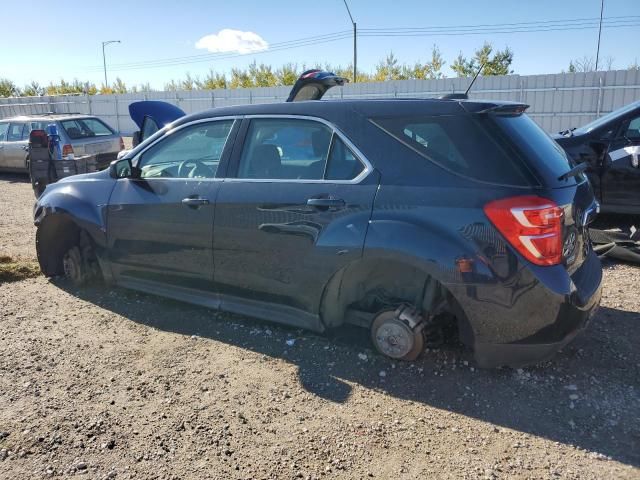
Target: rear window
[85,128]
[487,147]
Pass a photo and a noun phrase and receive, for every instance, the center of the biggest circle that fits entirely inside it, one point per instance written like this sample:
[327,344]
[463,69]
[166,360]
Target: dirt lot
[107,383]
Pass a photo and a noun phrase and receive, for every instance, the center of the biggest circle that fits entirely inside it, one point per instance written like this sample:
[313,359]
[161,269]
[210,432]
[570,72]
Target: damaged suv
[405,217]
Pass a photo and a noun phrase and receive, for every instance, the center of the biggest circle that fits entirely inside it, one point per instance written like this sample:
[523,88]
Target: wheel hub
[394,338]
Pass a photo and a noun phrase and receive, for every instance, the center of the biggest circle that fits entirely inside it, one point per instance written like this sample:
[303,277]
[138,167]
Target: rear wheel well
[359,292]
[54,237]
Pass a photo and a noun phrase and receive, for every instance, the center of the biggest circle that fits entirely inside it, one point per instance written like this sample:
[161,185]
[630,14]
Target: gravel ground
[114,384]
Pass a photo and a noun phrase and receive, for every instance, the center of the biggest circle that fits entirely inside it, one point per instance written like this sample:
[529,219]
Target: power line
[213,56]
[459,30]
[492,32]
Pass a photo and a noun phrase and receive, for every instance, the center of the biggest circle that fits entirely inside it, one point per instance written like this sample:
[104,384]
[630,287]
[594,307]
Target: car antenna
[465,95]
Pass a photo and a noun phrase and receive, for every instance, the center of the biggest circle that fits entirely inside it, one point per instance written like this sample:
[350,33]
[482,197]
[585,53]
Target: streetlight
[355,45]
[104,60]
[599,33]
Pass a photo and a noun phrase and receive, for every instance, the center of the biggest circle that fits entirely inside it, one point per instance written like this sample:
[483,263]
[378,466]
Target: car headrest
[265,162]
[320,141]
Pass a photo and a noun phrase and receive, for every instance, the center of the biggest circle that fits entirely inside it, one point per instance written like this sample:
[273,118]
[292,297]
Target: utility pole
[599,33]
[355,44]
[104,60]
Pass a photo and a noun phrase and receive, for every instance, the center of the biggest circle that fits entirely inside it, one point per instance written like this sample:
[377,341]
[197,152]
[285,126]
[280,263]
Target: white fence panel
[557,101]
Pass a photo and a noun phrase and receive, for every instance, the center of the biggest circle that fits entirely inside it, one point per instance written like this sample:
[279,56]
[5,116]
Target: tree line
[496,62]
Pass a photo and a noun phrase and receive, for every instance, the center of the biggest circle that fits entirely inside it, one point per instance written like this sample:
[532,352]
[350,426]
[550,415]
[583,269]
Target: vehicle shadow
[582,397]
[14,177]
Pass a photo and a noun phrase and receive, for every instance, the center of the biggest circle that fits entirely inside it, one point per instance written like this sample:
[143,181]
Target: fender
[81,199]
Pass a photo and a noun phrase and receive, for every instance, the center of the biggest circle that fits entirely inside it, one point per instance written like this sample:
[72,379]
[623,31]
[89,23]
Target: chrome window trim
[136,160]
[368,168]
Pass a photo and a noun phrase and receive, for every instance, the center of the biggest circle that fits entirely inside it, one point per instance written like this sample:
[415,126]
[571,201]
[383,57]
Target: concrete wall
[557,101]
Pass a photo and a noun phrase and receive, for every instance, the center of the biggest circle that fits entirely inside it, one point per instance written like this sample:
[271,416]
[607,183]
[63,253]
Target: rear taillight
[532,225]
[121,144]
[67,150]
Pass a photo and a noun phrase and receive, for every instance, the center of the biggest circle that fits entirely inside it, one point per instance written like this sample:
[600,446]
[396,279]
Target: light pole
[599,33]
[104,60]
[355,44]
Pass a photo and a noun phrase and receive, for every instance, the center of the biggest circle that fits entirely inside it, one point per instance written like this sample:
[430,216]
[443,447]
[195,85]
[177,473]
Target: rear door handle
[325,202]
[195,202]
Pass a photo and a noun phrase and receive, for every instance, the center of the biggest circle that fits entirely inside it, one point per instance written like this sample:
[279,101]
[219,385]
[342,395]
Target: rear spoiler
[506,109]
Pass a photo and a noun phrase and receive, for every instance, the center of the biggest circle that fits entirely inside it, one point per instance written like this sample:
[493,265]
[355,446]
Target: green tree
[262,75]
[387,69]
[172,86]
[119,86]
[8,88]
[189,82]
[214,80]
[429,70]
[287,74]
[496,64]
[240,79]
[33,90]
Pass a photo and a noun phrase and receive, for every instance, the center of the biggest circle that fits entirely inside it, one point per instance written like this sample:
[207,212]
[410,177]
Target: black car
[610,146]
[406,217]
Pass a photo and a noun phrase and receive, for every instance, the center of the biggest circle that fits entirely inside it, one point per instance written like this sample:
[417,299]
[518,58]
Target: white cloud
[228,40]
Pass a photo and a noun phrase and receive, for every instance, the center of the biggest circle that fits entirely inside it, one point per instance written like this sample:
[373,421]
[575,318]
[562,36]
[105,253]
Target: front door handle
[195,202]
[325,202]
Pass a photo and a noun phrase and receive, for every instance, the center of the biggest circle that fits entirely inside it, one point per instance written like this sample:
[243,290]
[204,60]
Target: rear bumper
[574,310]
[516,355]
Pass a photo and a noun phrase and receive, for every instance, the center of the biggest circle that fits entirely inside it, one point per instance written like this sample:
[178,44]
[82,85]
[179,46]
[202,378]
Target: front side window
[632,132]
[79,128]
[191,152]
[15,132]
[4,128]
[295,149]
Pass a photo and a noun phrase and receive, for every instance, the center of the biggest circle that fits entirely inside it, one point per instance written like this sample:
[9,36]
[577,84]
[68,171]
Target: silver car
[79,135]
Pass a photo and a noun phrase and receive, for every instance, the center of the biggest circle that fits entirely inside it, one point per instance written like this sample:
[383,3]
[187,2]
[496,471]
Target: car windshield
[599,122]
[78,128]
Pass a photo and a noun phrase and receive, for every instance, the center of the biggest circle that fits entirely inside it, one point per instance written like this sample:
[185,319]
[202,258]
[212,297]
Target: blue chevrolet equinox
[406,217]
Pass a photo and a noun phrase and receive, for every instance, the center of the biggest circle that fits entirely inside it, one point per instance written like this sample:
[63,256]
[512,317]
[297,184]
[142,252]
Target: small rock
[573,396]
[81,466]
[291,342]
[382,373]
[362,357]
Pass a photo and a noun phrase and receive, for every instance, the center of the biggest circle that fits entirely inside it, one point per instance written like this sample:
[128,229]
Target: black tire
[388,332]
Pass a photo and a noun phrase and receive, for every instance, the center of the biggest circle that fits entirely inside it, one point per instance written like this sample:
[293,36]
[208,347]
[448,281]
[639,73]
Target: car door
[4,128]
[160,225]
[621,175]
[292,212]
[16,146]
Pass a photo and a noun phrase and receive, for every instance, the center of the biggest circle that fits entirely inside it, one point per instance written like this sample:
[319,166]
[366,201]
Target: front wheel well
[55,236]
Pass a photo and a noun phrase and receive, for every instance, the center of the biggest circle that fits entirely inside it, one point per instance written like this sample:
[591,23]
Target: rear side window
[467,145]
[296,149]
[80,128]
[15,132]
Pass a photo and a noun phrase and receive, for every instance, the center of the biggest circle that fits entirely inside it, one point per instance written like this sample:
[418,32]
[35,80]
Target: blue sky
[66,42]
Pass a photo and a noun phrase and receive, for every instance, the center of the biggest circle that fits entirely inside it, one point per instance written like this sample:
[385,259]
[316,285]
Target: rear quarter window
[468,145]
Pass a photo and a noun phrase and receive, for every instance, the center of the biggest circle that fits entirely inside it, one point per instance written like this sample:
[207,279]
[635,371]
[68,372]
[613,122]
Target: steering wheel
[197,165]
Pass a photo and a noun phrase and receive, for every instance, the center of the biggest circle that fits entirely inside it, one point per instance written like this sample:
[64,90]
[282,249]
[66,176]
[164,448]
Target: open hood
[313,84]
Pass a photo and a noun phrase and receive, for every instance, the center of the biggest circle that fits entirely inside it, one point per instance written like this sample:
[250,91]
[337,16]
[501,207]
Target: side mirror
[136,138]
[122,168]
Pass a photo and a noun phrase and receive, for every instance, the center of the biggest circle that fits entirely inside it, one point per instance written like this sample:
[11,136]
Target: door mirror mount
[123,168]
